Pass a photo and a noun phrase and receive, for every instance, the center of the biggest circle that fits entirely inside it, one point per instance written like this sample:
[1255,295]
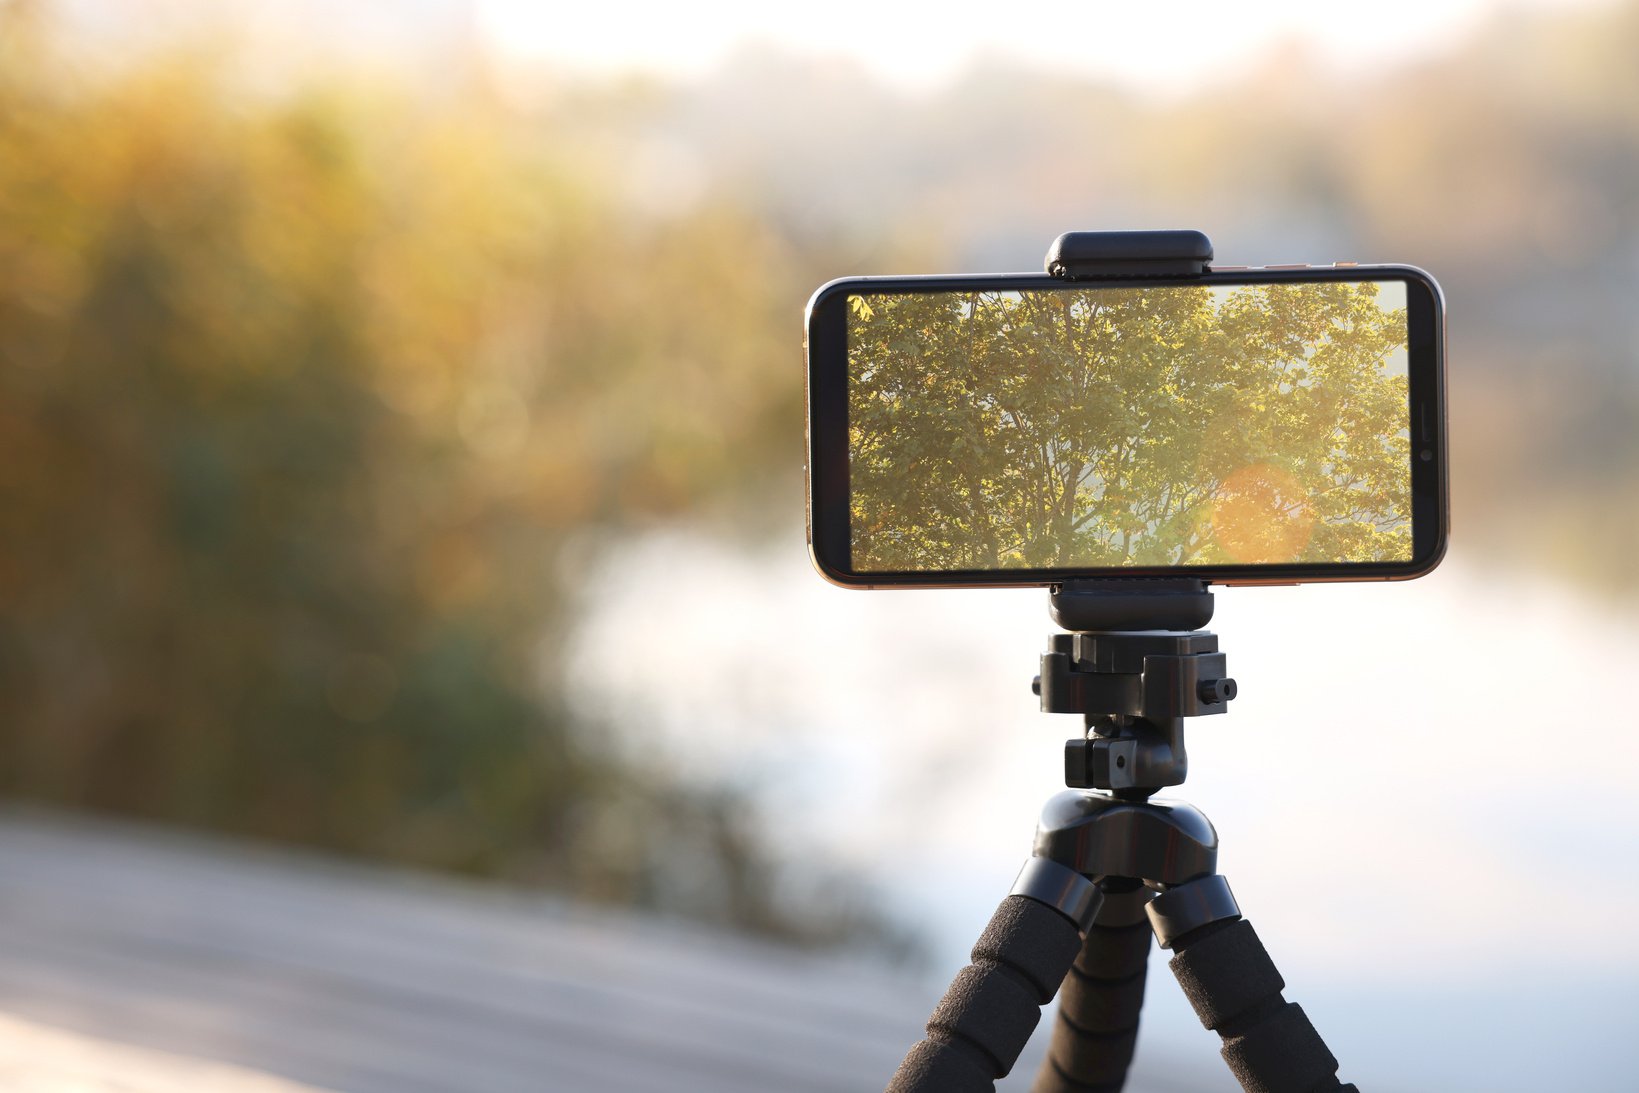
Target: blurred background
[401,442]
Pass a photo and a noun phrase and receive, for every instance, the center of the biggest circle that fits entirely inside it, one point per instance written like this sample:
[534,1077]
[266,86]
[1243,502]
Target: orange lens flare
[1260,516]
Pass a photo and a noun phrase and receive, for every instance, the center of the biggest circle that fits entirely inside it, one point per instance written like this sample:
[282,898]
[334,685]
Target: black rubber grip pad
[1034,940]
[1227,973]
[1281,1054]
[1110,953]
[991,1009]
[933,1066]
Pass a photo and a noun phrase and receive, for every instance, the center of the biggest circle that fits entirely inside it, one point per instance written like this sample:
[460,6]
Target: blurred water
[1423,790]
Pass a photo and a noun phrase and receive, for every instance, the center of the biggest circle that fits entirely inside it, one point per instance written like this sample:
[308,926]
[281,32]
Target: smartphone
[1241,426]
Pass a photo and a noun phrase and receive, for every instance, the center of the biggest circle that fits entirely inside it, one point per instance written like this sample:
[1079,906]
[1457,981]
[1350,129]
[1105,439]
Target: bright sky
[1173,43]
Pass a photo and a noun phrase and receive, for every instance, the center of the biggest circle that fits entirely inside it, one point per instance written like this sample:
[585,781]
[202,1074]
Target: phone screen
[1085,427]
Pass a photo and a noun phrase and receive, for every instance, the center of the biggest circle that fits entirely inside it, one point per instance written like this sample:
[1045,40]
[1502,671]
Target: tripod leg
[1227,976]
[1097,1025]
[992,1006]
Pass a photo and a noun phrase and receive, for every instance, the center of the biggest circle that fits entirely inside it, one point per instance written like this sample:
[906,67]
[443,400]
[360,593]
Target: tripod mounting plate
[1157,841]
[1148,674]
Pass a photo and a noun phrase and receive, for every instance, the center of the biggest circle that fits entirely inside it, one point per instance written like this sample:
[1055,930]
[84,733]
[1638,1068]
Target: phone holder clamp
[1085,256]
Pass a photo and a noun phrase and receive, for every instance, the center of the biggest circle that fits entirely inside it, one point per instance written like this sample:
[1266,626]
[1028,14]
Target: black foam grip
[1235,988]
[992,1010]
[1281,1054]
[1115,952]
[1226,973]
[1033,940]
[982,1023]
[1089,1064]
[1096,1030]
[937,1065]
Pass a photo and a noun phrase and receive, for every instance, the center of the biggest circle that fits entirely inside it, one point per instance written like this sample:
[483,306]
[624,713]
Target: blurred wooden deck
[134,961]
[357,979]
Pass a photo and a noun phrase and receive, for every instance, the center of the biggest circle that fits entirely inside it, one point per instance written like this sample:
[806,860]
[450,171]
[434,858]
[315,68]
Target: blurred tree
[301,400]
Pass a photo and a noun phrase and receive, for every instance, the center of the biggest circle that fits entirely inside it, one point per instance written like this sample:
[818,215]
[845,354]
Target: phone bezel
[826,347]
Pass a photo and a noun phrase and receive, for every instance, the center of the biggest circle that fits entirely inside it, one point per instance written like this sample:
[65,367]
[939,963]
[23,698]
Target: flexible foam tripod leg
[1096,1029]
[982,1023]
[1235,988]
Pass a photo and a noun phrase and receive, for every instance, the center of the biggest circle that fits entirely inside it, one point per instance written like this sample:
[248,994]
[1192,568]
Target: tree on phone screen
[1165,425]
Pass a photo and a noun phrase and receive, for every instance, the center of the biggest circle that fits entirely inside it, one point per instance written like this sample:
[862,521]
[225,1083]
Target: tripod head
[1134,665]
